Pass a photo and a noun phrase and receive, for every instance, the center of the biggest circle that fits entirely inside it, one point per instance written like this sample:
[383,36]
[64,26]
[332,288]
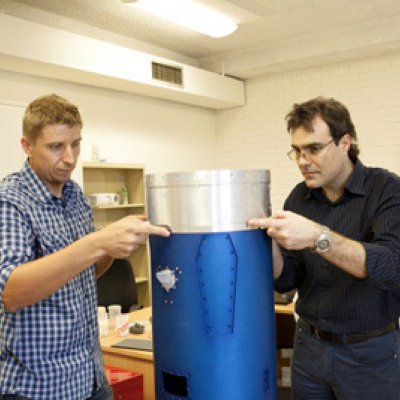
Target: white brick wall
[254,136]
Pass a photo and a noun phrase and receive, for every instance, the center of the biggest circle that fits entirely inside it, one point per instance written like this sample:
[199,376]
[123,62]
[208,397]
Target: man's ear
[345,142]
[26,146]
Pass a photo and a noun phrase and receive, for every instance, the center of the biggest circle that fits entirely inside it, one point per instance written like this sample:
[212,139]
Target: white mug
[104,199]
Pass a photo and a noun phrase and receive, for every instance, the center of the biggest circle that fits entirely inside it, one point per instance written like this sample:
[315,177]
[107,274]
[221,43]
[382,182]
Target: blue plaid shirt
[50,350]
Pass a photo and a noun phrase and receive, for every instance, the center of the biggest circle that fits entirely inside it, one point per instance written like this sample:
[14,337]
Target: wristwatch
[323,241]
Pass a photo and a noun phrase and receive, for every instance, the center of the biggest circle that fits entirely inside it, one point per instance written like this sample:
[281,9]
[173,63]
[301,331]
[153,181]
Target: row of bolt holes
[205,299]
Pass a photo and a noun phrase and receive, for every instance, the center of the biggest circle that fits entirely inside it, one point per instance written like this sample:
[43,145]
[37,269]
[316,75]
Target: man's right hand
[119,239]
[291,231]
[35,280]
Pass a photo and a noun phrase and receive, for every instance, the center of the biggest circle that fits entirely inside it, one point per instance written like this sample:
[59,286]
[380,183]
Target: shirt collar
[40,190]
[354,185]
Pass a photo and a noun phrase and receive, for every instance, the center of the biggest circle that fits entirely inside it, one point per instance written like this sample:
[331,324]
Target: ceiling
[273,35]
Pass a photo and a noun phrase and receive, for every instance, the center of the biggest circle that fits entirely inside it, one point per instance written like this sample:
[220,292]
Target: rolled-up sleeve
[383,247]
[368,212]
[15,241]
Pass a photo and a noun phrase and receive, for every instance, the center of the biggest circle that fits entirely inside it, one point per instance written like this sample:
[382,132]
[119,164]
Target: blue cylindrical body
[213,330]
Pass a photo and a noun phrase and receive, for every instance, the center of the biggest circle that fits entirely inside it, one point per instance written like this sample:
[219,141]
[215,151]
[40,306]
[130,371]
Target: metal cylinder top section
[207,201]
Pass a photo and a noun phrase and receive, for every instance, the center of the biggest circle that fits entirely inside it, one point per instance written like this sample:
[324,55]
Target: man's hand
[290,230]
[35,280]
[121,238]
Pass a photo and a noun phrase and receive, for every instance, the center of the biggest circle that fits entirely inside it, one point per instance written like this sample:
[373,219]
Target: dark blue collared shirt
[368,212]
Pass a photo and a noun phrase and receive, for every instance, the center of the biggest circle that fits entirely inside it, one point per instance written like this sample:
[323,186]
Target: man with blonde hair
[50,256]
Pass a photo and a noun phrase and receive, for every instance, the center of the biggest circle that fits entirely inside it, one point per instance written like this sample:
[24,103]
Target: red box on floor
[126,385]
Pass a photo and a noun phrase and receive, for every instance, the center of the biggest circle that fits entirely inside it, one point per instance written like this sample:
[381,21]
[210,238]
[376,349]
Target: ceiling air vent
[167,73]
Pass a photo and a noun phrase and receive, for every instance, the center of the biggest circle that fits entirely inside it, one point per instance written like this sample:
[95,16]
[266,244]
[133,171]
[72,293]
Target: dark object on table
[136,328]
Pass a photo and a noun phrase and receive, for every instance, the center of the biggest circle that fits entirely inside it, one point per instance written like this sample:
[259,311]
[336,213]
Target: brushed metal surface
[207,201]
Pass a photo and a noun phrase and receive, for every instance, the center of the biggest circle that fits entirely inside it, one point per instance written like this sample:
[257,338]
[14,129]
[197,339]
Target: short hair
[49,110]
[335,115]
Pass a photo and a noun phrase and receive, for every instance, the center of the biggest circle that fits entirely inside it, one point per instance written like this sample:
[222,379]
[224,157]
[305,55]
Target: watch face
[323,244]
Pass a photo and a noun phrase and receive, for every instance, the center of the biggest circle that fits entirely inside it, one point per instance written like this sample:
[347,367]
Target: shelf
[106,165]
[101,177]
[118,206]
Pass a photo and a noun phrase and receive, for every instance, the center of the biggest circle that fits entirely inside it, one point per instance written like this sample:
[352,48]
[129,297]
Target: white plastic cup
[113,311]
[101,310]
[103,324]
[122,324]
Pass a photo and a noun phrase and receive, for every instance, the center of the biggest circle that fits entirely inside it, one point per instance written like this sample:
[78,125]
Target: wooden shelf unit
[101,177]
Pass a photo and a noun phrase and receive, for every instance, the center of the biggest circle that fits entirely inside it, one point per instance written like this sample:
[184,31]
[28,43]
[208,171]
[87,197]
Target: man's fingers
[158,230]
[280,214]
[265,223]
[257,222]
[148,229]
[273,232]
[137,217]
[140,225]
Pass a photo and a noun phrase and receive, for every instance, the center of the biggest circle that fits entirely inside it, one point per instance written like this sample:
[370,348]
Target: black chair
[118,286]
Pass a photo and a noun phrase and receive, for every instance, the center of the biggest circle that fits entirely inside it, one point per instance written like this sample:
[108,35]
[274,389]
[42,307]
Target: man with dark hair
[338,243]
[50,257]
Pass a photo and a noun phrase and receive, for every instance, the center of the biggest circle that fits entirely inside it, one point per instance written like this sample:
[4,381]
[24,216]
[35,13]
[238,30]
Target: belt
[338,338]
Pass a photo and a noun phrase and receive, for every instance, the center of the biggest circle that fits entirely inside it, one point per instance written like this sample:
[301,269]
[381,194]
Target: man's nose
[302,158]
[68,155]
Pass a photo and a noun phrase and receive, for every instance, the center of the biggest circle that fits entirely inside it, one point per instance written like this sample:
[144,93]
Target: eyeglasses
[309,151]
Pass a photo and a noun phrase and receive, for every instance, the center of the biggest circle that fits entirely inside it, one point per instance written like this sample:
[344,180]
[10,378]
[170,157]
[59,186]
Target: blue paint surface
[214,334]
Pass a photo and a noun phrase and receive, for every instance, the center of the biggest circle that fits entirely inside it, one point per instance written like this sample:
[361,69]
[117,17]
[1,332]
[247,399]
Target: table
[130,359]
[142,361]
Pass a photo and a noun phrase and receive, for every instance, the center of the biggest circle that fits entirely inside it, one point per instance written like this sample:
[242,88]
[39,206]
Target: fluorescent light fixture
[189,14]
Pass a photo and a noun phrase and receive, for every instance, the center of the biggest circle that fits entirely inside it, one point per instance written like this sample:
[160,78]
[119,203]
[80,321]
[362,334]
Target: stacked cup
[102,321]
[113,311]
